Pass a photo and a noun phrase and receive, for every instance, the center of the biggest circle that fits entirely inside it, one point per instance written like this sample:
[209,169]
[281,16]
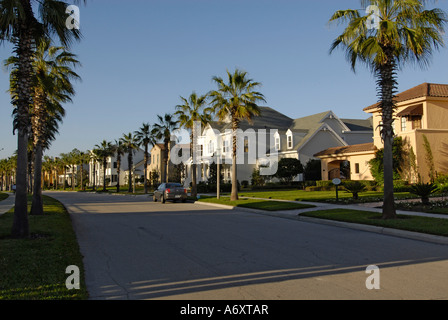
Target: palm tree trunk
[145,179]
[118,172]
[387,86]
[37,206]
[130,171]
[20,228]
[234,193]
[104,174]
[194,182]
[166,160]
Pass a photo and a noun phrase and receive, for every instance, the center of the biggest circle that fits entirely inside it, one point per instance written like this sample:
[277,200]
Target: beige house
[421,111]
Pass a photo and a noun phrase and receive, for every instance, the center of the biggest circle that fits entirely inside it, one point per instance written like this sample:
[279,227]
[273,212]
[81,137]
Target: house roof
[359,124]
[422,90]
[348,149]
[268,119]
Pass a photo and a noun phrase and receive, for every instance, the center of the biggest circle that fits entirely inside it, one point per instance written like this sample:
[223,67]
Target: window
[289,142]
[225,146]
[277,144]
[403,124]
[211,148]
[115,167]
[416,122]
[246,145]
[356,167]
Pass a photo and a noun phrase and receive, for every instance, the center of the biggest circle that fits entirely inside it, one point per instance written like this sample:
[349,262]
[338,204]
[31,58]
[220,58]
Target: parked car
[170,191]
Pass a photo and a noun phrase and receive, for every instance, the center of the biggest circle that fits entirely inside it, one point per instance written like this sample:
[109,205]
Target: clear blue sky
[139,56]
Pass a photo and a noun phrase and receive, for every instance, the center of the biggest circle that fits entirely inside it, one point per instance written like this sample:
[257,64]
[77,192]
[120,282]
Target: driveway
[136,249]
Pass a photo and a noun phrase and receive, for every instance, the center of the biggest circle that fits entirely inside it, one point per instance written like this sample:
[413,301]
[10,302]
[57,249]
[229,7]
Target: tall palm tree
[193,110]
[81,159]
[51,78]
[119,150]
[406,33]
[20,26]
[130,144]
[145,137]
[94,158]
[237,100]
[104,150]
[163,131]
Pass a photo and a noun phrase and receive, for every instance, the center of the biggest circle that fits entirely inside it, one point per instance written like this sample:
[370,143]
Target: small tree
[354,187]
[424,190]
[376,164]
[313,170]
[257,179]
[288,169]
[429,159]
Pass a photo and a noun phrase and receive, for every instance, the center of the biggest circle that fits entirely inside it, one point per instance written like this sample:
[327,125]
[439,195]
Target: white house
[273,133]
[96,169]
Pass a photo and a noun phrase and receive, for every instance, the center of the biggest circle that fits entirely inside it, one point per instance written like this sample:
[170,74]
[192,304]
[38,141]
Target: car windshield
[173,185]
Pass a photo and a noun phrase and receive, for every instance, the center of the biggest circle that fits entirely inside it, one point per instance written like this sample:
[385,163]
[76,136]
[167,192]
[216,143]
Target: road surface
[136,249]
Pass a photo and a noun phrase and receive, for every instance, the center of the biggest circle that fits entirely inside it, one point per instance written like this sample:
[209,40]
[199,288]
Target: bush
[354,187]
[423,190]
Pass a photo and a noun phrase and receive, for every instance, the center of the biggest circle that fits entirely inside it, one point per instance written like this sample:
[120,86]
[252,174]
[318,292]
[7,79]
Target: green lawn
[301,195]
[266,205]
[3,196]
[432,226]
[34,268]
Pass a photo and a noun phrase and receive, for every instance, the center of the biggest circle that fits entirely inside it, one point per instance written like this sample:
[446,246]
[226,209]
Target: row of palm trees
[37,89]
[235,98]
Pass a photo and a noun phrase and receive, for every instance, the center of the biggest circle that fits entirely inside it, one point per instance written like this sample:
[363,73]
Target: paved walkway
[7,204]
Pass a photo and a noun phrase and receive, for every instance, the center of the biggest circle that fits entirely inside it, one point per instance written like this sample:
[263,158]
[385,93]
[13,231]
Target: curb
[355,226]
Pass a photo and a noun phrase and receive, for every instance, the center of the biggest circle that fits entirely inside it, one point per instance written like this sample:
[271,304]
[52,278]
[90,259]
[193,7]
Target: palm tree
[104,150]
[20,26]
[82,158]
[145,137]
[130,145]
[406,33]
[119,150]
[94,158]
[189,112]
[236,100]
[52,75]
[162,131]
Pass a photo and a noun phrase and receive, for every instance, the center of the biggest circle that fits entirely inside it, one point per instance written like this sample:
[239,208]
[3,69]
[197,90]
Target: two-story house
[286,137]
[420,111]
[97,172]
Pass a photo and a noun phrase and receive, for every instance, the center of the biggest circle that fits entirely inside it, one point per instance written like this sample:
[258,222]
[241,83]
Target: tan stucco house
[421,111]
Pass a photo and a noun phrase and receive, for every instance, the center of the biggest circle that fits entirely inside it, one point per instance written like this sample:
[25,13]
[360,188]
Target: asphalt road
[136,249]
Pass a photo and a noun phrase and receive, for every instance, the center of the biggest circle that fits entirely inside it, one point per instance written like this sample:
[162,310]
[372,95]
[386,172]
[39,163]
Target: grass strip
[34,268]
[3,196]
[321,196]
[265,205]
[420,224]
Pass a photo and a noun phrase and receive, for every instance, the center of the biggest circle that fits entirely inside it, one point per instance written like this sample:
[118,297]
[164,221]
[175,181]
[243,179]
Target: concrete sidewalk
[7,204]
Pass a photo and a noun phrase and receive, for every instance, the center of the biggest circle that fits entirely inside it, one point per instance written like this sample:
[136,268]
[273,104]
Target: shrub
[423,190]
[354,187]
